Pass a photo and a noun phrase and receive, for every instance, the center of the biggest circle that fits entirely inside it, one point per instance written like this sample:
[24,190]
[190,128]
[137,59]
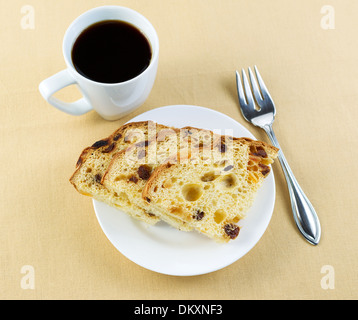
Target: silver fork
[262,115]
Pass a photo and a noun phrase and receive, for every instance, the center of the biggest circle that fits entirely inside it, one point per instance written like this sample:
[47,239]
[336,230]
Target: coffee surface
[111,51]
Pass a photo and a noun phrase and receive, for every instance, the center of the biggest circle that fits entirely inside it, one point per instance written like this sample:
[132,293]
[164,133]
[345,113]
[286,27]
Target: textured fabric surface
[50,231]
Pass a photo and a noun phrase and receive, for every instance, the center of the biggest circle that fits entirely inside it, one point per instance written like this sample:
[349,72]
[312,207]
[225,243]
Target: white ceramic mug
[111,100]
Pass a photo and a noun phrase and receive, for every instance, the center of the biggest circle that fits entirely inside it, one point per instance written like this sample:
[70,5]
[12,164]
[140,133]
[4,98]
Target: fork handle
[303,212]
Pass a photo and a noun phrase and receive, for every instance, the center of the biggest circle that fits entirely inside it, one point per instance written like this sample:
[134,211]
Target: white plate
[164,249]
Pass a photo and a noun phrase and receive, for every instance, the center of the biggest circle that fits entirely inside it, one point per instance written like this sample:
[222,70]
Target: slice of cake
[131,168]
[210,189]
[94,161]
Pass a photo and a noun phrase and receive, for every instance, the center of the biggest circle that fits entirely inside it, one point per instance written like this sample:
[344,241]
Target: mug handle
[57,82]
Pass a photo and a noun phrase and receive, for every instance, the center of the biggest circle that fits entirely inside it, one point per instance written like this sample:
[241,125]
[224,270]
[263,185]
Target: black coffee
[111,51]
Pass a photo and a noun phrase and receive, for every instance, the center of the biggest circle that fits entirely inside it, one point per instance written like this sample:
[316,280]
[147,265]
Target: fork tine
[265,93]
[255,89]
[249,97]
[240,90]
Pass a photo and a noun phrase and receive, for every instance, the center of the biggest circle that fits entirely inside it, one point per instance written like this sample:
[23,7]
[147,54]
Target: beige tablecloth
[51,245]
